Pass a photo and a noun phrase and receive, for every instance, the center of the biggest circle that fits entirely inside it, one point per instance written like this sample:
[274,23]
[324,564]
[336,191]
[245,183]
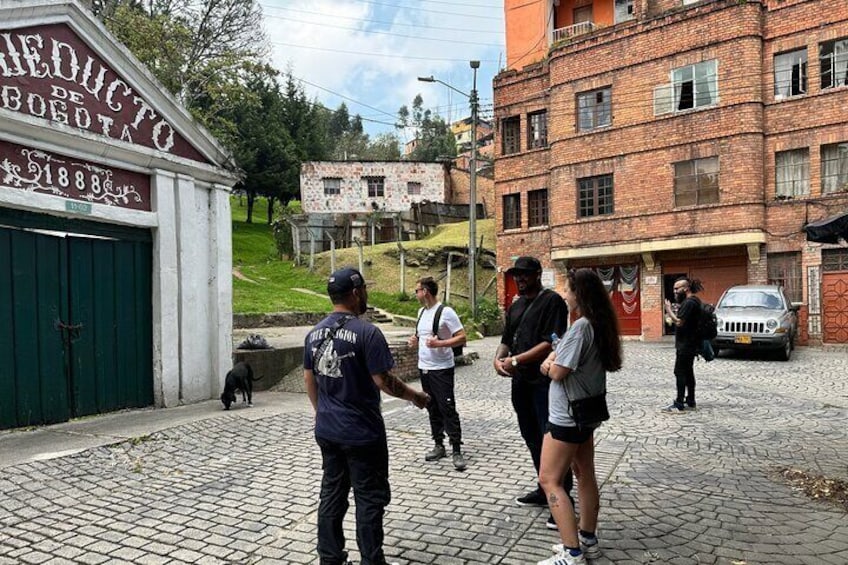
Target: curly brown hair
[595,305]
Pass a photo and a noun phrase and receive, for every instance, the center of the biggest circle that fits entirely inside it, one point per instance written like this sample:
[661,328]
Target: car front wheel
[786,351]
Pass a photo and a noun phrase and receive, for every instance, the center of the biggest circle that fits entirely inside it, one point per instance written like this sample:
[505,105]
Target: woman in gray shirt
[578,369]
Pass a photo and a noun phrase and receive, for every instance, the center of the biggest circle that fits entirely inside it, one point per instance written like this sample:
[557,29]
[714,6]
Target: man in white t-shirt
[436,368]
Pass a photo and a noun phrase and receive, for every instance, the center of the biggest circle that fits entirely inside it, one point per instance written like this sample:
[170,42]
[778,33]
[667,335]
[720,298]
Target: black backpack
[457,351]
[707,322]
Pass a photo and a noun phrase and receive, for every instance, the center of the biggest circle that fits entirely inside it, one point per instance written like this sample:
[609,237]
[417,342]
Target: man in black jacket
[532,322]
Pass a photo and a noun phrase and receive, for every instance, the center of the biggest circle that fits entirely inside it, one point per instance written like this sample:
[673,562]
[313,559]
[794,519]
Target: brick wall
[743,129]
[460,182]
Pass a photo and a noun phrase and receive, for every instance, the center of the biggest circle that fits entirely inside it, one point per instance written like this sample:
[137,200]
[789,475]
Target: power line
[377,54]
[347,98]
[443,40]
[385,22]
[431,11]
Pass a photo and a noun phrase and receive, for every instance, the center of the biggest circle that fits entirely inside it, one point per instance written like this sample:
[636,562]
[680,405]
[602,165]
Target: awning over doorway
[828,230]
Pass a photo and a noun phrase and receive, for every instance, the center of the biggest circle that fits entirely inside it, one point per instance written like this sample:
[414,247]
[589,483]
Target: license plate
[743,338]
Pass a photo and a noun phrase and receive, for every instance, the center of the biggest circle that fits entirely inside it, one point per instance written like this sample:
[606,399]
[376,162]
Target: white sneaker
[590,551]
[564,558]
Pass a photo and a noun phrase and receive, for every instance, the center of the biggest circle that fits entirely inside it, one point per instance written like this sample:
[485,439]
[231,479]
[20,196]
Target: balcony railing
[572,31]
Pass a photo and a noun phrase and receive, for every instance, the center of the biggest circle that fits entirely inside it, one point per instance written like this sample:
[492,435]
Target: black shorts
[570,434]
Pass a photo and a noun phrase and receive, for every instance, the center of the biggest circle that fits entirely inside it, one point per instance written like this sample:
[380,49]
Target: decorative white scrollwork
[47,174]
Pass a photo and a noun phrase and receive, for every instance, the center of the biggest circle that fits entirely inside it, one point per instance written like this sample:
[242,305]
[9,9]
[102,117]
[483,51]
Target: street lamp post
[472,188]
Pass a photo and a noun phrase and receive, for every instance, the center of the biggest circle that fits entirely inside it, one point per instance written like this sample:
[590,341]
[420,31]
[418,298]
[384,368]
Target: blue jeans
[366,469]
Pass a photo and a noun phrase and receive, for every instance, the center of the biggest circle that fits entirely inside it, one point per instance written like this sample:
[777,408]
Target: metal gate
[76,335]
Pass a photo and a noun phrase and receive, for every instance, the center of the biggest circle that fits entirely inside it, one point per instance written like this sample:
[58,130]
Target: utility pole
[472,188]
[472,196]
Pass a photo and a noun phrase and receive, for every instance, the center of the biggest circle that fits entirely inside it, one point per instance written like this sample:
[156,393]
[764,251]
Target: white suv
[756,317]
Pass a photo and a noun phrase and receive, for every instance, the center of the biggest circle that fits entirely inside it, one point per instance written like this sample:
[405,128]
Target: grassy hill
[264,283]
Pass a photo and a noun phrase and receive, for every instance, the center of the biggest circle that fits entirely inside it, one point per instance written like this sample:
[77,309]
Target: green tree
[435,139]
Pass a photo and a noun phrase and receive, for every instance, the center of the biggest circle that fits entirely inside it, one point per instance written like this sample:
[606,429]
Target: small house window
[594,196]
[376,186]
[537,130]
[511,135]
[696,182]
[790,74]
[332,186]
[511,211]
[792,173]
[537,208]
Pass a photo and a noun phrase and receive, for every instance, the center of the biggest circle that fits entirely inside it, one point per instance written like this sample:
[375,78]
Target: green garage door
[75,309]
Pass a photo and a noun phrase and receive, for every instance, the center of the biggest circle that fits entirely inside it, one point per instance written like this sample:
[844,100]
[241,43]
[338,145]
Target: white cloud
[308,35]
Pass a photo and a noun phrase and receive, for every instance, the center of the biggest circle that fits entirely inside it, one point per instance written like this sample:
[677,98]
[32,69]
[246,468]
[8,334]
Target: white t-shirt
[436,357]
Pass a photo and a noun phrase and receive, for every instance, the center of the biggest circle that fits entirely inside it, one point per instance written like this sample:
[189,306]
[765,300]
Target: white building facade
[115,228]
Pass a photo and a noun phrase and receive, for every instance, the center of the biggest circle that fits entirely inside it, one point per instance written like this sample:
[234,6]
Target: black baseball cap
[526,264]
[343,281]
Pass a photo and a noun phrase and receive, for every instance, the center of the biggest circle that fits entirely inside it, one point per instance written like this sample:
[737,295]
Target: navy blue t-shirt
[348,400]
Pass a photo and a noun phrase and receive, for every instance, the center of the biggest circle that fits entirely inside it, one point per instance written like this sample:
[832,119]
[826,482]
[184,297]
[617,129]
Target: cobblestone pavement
[693,488]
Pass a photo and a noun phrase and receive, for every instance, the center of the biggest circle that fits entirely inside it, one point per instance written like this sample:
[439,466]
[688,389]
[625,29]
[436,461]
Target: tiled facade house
[650,139]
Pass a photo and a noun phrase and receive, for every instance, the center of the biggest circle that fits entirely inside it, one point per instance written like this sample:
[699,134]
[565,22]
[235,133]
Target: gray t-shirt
[577,351]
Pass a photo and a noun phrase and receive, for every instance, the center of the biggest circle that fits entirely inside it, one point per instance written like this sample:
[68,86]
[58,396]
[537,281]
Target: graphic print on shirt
[326,361]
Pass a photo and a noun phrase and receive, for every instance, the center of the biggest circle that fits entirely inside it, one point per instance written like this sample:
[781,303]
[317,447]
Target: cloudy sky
[369,53]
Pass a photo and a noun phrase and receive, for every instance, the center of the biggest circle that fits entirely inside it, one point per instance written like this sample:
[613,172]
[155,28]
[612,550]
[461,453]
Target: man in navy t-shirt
[346,363]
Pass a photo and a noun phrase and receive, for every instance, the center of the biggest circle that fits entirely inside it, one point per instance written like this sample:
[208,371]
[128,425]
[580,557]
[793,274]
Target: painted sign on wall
[34,170]
[48,72]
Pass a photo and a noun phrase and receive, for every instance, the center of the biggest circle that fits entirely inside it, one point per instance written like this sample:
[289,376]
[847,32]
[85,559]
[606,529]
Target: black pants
[684,372]
[366,468]
[442,408]
[530,402]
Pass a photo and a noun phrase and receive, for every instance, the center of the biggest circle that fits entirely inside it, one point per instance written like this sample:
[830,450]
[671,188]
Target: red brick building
[654,138]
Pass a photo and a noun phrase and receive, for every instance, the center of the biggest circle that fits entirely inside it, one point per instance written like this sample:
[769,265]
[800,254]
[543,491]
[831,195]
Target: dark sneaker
[589,546]
[458,461]
[691,406]
[551,523]
[437,452]
[532,498]
[674,408]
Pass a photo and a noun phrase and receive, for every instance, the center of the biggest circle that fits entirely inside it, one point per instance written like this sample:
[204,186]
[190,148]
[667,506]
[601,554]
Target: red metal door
[627,300]
[835,307]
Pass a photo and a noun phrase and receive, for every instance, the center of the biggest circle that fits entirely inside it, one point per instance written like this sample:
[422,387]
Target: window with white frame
[413,188]
[623,10]
[376,186]
[696,182]
[833,59]
[594,109]
[792,173]
[332,186]
[691,87]
[834,168]
[790,74]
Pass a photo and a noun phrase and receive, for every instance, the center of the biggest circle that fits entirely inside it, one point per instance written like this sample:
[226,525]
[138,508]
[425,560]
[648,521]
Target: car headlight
[720,324]
[771,324]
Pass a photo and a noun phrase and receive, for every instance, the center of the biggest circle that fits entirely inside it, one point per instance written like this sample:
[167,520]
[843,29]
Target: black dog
[239,378]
